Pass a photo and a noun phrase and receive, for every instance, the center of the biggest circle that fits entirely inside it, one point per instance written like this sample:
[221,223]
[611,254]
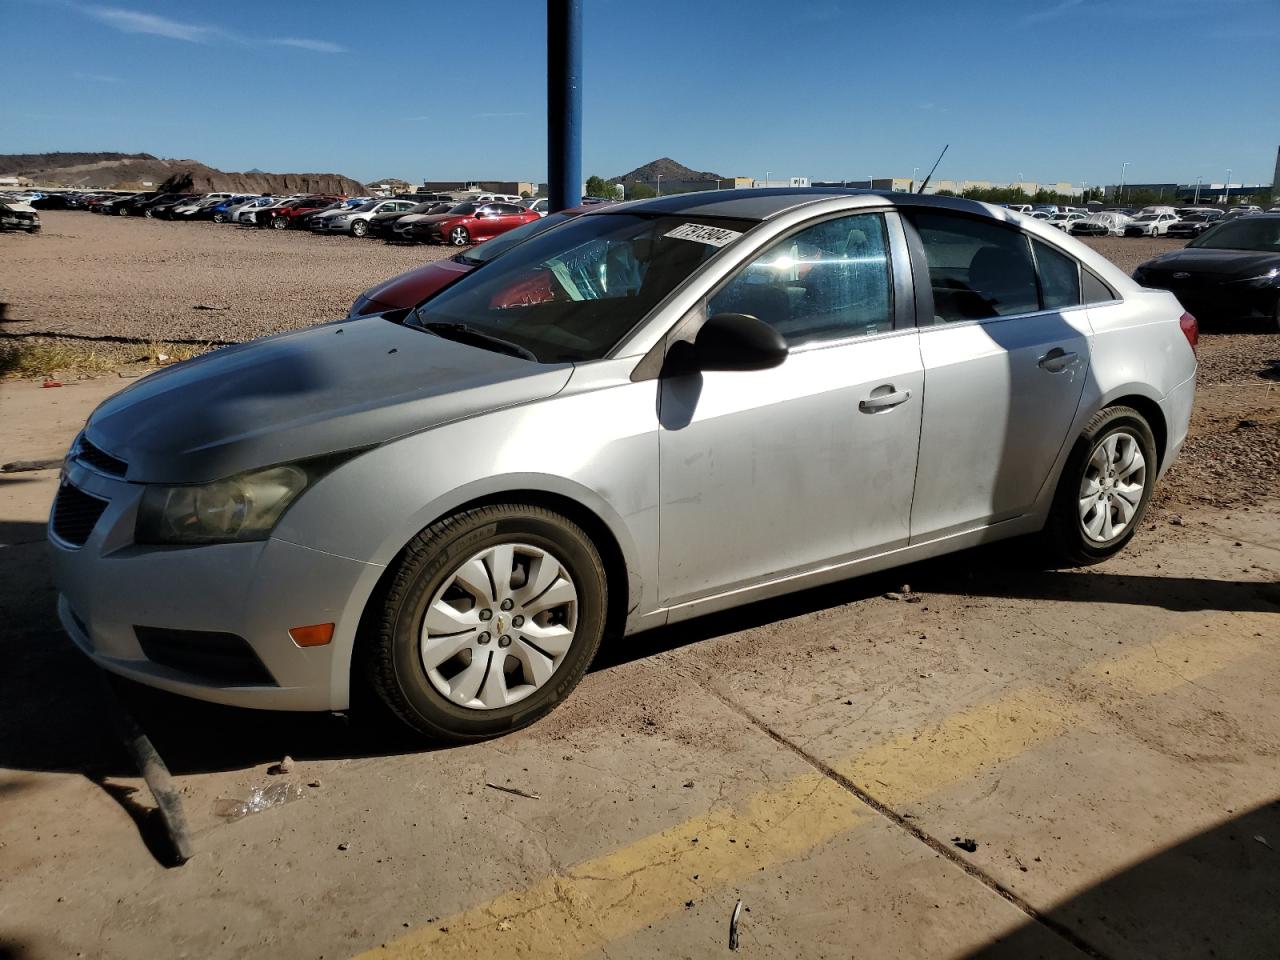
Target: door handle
[1057,360]
[884,401]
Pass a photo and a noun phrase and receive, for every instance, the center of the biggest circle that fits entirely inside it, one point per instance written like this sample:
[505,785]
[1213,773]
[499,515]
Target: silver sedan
[647,413]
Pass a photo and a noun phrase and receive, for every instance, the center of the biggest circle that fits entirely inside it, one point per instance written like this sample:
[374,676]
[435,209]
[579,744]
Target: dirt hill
[124,171]
[668,168]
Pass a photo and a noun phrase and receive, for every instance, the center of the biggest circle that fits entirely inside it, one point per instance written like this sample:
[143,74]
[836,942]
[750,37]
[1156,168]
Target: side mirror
[737,341]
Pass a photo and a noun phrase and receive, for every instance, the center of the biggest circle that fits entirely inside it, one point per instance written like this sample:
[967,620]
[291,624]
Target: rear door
[1005,360]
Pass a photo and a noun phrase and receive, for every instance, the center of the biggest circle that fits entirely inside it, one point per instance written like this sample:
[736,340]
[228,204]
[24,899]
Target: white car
[356,221]
[1150,224]
[496,198]
[232,212]
[1063,221]
[249,211]
[198,203]
[1104,223]
[539,205]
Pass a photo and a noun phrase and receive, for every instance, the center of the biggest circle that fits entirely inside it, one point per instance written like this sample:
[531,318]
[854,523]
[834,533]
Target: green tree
[640,191]
[598,187]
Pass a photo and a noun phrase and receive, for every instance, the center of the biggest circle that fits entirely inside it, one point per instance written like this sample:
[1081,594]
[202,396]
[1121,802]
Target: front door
[772,472]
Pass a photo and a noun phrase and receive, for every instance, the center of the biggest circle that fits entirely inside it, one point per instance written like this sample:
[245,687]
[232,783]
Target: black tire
[1063,533]
[459,236]
[388,651]
[148,213]
[279,223]
[219,218]
[360,228]
[122,211]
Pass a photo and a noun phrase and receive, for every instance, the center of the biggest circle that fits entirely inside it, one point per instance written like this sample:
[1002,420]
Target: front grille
[222,657]
[98,459]
[75,514]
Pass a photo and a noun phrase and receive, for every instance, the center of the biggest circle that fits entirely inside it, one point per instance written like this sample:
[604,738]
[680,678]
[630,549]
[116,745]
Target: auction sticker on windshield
[698,233]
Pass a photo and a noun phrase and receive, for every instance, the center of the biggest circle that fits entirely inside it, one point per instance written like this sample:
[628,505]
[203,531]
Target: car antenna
[934,167]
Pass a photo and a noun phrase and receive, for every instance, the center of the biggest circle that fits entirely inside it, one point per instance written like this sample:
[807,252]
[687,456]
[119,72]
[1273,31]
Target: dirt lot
[1024,763]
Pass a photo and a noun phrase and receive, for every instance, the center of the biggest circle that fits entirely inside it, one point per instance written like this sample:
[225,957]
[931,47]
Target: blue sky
[1054,90]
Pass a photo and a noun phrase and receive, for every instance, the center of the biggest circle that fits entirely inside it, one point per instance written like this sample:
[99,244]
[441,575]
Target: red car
[468,223]
[290,214]
[412,288]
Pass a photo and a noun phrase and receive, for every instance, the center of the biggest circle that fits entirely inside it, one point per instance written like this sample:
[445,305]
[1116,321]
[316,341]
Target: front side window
[570,294]
[977,270]
[827,282]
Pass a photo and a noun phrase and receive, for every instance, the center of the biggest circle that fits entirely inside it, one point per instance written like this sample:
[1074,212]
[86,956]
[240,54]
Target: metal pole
[1196,202]
[1226,189]
[659,184]
[564,103]
[1122,169]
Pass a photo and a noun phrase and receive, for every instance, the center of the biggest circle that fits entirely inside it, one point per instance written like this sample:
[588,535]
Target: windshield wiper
[465,334]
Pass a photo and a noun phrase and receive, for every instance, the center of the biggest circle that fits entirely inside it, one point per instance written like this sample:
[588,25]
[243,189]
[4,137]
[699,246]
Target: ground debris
[515,791]
[284,766]
[733,926]
[904,594]
[967,844]
[1263,840]
[259,799]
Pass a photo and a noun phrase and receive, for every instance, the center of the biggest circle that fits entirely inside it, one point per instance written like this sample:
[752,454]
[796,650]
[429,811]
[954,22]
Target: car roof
[763,203]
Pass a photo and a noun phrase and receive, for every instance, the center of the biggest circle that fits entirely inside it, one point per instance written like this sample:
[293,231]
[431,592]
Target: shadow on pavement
[1212,895]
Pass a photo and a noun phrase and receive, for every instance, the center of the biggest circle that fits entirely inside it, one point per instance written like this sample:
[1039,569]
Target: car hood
[1243,263]
[329,388]
[410,289]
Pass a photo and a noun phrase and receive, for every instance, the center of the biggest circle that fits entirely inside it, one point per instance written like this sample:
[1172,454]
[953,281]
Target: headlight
[243,507]
[339,219]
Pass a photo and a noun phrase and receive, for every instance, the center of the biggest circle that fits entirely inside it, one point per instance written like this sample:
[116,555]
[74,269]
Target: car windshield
[463,208]
[1247,233]
[487,251]
[572,293]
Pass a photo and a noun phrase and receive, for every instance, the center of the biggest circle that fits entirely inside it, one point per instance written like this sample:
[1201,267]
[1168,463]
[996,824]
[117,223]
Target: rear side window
[1059,277]
[1095,291]
[977,269]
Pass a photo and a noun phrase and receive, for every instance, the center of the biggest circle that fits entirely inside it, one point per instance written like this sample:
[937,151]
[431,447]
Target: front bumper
[328,226]
[109,587]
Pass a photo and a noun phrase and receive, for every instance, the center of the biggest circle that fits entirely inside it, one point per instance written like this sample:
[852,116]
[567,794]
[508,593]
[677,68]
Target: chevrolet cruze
[644,414]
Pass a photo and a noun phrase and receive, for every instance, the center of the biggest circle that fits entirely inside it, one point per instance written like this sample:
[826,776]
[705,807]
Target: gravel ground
[100,280]
[89,277]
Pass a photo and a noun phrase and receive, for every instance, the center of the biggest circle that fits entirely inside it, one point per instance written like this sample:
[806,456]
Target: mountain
[135,171]
[668,169]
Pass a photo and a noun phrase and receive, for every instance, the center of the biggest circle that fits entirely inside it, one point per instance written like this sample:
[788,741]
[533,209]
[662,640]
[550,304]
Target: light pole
[1226,189]
[914,173]
[1196,201]
[1123,167]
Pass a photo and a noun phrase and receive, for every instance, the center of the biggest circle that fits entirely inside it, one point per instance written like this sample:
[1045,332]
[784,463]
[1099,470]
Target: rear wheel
[1105,487]
[489,620]
[459,236]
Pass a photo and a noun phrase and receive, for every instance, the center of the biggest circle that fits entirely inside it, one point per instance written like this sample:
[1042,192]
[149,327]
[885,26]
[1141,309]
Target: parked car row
[416,218]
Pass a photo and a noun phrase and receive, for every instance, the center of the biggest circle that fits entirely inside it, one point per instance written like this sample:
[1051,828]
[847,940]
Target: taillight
[1190,329]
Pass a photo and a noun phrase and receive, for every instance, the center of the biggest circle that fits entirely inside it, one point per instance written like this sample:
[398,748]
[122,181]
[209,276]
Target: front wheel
[279,223]
[488,622]
[360,228]
[1105,487]
[121,212]
[459,236]
[219,218]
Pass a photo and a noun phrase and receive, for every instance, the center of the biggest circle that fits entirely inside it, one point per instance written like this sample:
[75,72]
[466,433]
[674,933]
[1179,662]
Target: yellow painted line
[597,901]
